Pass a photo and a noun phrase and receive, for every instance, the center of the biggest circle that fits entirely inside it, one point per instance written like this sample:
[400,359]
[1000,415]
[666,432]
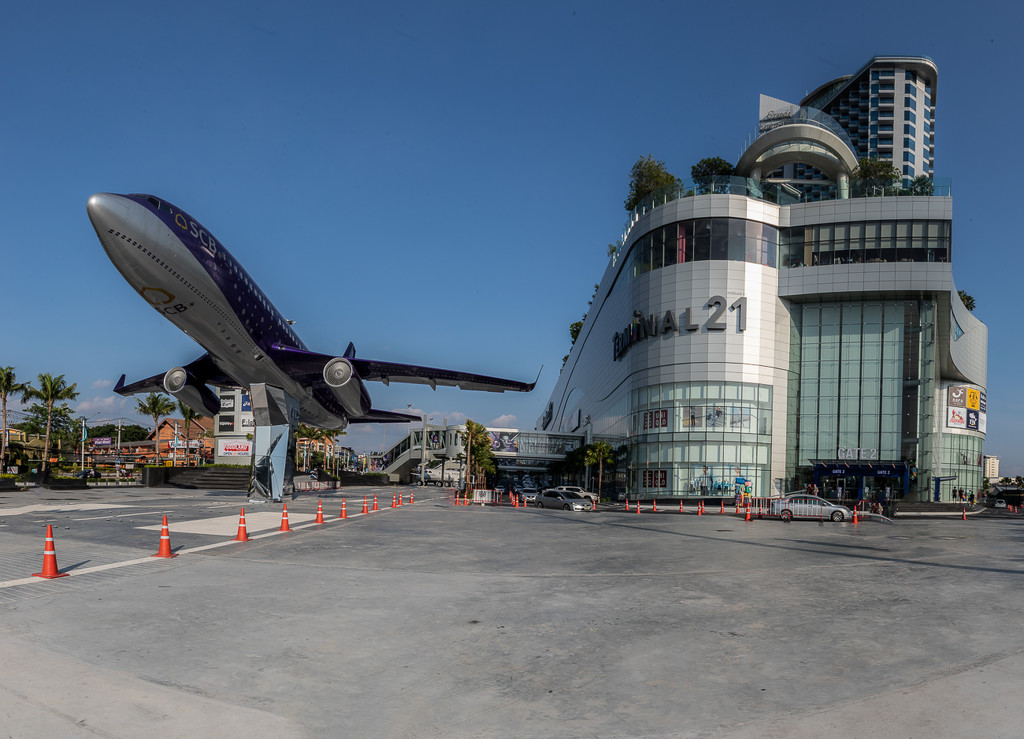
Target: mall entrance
[862,481]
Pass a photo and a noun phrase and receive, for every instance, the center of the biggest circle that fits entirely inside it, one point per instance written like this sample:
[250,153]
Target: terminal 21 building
[792,324]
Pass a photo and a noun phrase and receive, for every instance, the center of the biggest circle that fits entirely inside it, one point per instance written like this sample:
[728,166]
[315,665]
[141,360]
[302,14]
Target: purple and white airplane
[180,269]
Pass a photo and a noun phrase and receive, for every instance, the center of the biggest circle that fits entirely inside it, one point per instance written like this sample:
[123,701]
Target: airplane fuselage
[186,275]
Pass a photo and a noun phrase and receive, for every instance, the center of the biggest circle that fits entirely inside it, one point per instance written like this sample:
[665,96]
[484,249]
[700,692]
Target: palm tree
[190,416]
[51,390]
[599,452]
[155,405]
[9,388]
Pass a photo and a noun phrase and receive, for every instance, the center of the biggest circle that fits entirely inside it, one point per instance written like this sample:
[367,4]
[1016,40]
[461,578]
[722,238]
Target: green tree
[876,176]
[52,389]
[706,170]
[480,456]
[648,176]
[598,453]
[966,299]
[9,388]
[129,432]
[922,185]
[156,406]
[189,416]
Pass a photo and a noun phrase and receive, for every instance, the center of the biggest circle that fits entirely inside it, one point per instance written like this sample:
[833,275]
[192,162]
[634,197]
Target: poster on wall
[740,419]
[655,420]
[966,408]
[956,397]
[956,418]
[715,416]
[692,416]
[504,441]
[234,448]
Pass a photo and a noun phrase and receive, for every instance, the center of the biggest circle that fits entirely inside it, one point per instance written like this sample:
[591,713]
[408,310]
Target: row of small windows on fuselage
[740,240]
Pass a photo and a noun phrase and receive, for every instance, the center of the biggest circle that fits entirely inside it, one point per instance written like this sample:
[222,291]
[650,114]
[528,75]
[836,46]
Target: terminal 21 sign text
[643,327]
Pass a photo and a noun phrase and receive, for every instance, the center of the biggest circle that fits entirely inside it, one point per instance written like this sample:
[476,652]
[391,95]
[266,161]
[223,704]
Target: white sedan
[809,506]
[561,499]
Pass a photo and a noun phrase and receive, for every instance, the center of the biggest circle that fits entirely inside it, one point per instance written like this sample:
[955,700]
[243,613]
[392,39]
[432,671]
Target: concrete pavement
[433,620]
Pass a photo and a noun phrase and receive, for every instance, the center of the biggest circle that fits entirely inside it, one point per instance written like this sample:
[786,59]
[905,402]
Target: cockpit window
[154,202]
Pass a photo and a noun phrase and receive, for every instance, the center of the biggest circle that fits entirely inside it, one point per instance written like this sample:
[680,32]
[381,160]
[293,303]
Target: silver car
[529,494]
[802,505]
[561,499]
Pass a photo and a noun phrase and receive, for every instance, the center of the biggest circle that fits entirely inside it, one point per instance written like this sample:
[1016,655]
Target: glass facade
[702,239]
[865,241]
[699,438]
[851,380]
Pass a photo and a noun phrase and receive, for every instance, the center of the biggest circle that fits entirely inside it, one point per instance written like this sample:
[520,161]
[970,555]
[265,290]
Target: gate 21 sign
[643,327]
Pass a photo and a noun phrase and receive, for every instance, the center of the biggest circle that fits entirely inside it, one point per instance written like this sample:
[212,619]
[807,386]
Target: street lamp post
[84,419]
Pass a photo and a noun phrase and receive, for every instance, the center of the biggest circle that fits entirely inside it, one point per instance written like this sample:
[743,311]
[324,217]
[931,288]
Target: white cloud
[103,384]
[108,404]
[507,421]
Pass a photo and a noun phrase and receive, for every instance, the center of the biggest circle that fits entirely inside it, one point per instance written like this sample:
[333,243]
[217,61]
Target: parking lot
[436,620]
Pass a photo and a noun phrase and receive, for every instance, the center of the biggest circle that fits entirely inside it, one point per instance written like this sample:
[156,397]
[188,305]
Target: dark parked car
[88,474]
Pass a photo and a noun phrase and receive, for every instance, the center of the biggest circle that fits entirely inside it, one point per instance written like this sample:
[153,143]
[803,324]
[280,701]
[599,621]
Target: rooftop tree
[648,176]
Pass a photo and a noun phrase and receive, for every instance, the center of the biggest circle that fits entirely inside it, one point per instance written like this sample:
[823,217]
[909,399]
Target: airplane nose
[107,210]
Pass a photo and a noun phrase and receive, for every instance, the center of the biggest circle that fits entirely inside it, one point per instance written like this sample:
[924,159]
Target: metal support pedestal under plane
[277,417]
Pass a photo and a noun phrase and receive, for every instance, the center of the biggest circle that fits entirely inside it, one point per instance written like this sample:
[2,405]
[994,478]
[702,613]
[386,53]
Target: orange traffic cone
[344,512]
[963,516]
[375,502]
[399,500]
[627,505]
[700,507]
[50,570]
[654,508]
[855,515]
[165,543]
[243,535]
[319,511]
[394,501]
[680,506]
[722,510]
[364,505]
[638,506]
[410,497]
[284,518]
[748,518]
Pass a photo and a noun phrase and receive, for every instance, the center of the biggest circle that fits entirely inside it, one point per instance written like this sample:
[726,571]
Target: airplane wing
[203,368]
[376,416]
[388,372]
[309,365]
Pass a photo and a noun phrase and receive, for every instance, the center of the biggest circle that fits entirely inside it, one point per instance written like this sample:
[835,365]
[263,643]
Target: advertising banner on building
[227,403]
[956,418]
[234,448]
[504,441]
[692,416]
[956,397]
[226,424]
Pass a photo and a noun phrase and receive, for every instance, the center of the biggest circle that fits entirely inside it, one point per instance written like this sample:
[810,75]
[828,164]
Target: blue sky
[437,182]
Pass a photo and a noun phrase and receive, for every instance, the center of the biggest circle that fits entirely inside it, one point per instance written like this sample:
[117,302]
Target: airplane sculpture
[180,269]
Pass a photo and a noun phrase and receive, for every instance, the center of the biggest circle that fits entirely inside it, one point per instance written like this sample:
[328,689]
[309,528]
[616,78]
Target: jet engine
[191,391]
[341,378]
